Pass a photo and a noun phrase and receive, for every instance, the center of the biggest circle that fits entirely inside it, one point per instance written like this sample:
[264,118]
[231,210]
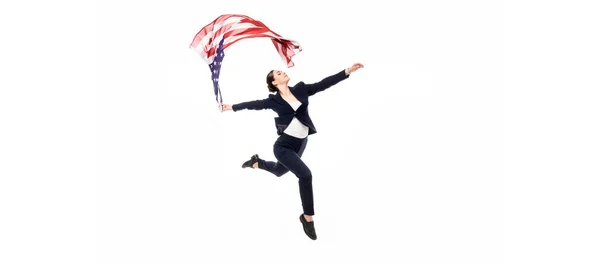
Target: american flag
[213,39]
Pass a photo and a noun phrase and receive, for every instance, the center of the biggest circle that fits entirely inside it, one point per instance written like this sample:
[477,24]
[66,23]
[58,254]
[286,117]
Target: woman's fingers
[225,107]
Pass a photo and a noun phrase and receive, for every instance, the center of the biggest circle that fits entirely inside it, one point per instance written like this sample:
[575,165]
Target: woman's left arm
[329,81]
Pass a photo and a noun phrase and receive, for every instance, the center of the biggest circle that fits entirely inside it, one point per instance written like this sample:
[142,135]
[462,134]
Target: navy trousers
[288,151]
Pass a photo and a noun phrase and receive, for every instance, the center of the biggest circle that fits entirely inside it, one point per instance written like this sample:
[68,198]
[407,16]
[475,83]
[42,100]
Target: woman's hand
[353,68]
[225,107]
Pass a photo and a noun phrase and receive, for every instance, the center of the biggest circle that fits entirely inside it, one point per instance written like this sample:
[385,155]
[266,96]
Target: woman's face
[280,77]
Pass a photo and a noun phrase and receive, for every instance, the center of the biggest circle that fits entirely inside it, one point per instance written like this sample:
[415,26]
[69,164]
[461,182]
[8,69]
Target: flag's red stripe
[246,27]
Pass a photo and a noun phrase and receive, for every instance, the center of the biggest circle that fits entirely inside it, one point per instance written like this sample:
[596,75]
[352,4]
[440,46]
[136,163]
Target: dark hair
[270,79]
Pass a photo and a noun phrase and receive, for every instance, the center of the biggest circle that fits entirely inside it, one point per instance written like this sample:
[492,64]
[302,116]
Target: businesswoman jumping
[294,125]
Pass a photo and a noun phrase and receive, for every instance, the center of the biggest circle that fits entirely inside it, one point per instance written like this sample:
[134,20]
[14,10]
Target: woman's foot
[252,163]
[309,226]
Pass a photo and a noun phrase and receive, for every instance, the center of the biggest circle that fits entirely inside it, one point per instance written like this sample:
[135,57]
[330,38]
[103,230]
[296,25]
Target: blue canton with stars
[215,68]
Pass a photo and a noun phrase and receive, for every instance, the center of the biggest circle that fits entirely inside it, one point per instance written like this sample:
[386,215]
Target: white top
[296,129]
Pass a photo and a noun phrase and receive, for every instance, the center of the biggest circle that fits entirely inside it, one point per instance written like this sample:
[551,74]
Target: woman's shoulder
[299,84]
[271,97]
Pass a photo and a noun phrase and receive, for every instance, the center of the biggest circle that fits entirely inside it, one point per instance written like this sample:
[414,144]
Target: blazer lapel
[283,101]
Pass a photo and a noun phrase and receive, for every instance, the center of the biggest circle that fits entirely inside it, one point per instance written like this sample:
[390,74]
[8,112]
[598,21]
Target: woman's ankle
[308,218]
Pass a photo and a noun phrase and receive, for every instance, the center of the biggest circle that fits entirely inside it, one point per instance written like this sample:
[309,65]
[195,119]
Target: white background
[471,135]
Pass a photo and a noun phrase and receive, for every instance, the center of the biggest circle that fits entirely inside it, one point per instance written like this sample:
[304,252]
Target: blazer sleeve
[327,82]
[251,105]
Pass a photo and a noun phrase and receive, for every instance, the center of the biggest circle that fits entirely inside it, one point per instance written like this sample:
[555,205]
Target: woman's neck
[284,90]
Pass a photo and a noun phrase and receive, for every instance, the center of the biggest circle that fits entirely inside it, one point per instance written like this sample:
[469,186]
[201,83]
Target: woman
[294,125]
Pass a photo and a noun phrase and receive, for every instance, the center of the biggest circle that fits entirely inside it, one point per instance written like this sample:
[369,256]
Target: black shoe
[253,159]
[309,228]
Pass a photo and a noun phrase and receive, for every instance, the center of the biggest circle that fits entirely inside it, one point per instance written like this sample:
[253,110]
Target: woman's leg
[276,167]
[291,160]
[273,167]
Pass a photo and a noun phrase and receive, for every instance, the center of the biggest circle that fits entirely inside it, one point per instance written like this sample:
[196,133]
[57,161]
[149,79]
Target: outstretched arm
[251,105]
[329,81]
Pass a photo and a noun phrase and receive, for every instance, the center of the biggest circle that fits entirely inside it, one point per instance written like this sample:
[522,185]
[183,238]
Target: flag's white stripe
[283,50]
[233,23]
[203,46]
[264,34]
[216,27]
[203,43]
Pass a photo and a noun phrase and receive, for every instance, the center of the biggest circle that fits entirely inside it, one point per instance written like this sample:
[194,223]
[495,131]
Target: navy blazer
[283,109]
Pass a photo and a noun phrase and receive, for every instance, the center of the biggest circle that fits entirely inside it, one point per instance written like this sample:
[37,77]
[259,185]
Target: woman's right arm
[250,105]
